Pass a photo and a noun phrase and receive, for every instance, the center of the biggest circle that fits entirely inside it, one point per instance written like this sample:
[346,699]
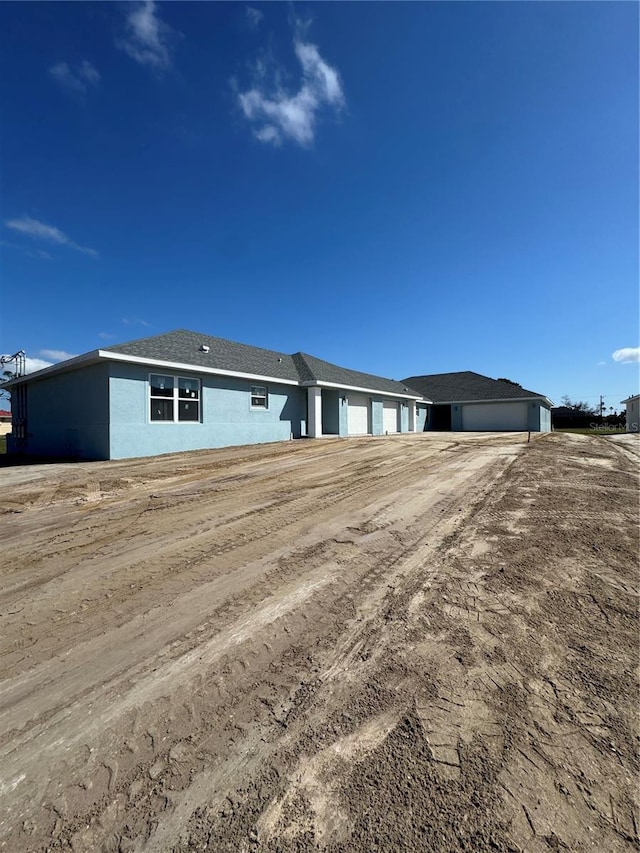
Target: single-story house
[186,391]
[5,421]
[469,401]
[633,412]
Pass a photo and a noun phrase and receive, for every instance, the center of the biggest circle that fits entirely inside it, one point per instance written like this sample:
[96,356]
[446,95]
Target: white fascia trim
[501,400]
[59,367]
[375,391]
[192,368]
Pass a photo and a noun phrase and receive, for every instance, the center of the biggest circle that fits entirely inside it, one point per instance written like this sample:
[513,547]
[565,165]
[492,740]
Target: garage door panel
[389,416]
[494,417]
[358,414]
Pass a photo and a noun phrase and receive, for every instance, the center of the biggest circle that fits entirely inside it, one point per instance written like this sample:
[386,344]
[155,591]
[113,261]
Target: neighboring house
[5,421]
[470,401]
[633,413]
[187,391]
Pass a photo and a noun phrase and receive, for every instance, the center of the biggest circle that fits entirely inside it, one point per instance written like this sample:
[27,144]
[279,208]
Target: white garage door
[483,417]
[389,416]
[358,414]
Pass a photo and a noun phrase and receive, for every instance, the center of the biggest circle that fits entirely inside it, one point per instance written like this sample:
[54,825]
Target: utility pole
[602,406]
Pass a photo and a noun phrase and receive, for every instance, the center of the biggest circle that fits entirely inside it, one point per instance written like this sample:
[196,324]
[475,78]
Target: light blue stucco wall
[376,416]
[545,419]
[343,412]
[226,416]
[633,414]
[539,417]
[421,418]
[404,417]
[68,414]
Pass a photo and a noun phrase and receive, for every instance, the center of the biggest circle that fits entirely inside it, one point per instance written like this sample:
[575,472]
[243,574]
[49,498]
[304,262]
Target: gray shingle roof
[183,347]
[466,386]
[312,369]
[186,348]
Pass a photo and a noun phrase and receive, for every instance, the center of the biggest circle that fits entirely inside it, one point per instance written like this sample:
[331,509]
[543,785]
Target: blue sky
[398,188]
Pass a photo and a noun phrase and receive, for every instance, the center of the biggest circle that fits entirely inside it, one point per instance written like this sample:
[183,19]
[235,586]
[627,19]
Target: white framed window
[174,399]
[259,397]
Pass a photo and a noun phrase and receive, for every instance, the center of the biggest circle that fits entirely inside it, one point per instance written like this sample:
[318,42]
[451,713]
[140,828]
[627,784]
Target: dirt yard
[415,643]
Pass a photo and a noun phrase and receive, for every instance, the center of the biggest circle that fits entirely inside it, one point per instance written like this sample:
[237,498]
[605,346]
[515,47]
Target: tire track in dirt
[186,563]
[449,639]
[559,789]
[340,582]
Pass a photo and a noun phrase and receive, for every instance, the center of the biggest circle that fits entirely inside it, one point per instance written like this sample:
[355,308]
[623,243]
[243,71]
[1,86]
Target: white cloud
[133,321]
[40,231]
[79,79]
[106,336]
[268,133]
[49,357]
[148,38]
[56,354]
[322,74]
[627,355]
[33,364]
[281,114]
[254,16]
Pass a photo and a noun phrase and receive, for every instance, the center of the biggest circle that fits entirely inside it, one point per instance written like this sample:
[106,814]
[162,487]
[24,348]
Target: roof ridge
[205,336]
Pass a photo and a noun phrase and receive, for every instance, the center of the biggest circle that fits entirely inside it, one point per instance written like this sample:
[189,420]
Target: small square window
[259,397]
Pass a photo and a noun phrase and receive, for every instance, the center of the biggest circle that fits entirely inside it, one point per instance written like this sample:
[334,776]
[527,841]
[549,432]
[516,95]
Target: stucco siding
[456,418]
[226,416]
[343,414]
[68,414]
[404,416]
[421,418]
[377,415]
[540,418]
[633,414]
[377,427]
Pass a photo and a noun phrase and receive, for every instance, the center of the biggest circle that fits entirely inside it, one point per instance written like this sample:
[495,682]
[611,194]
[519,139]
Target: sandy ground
[414,643]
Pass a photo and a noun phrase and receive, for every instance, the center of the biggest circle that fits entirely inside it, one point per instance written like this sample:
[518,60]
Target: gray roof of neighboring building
[467,386]
[184,347]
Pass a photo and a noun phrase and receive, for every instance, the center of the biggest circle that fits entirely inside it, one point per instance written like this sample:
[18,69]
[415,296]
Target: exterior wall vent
[204,348]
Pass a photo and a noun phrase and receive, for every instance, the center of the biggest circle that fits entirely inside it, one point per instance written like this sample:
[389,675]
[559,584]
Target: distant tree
[510,381]
[579,406]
